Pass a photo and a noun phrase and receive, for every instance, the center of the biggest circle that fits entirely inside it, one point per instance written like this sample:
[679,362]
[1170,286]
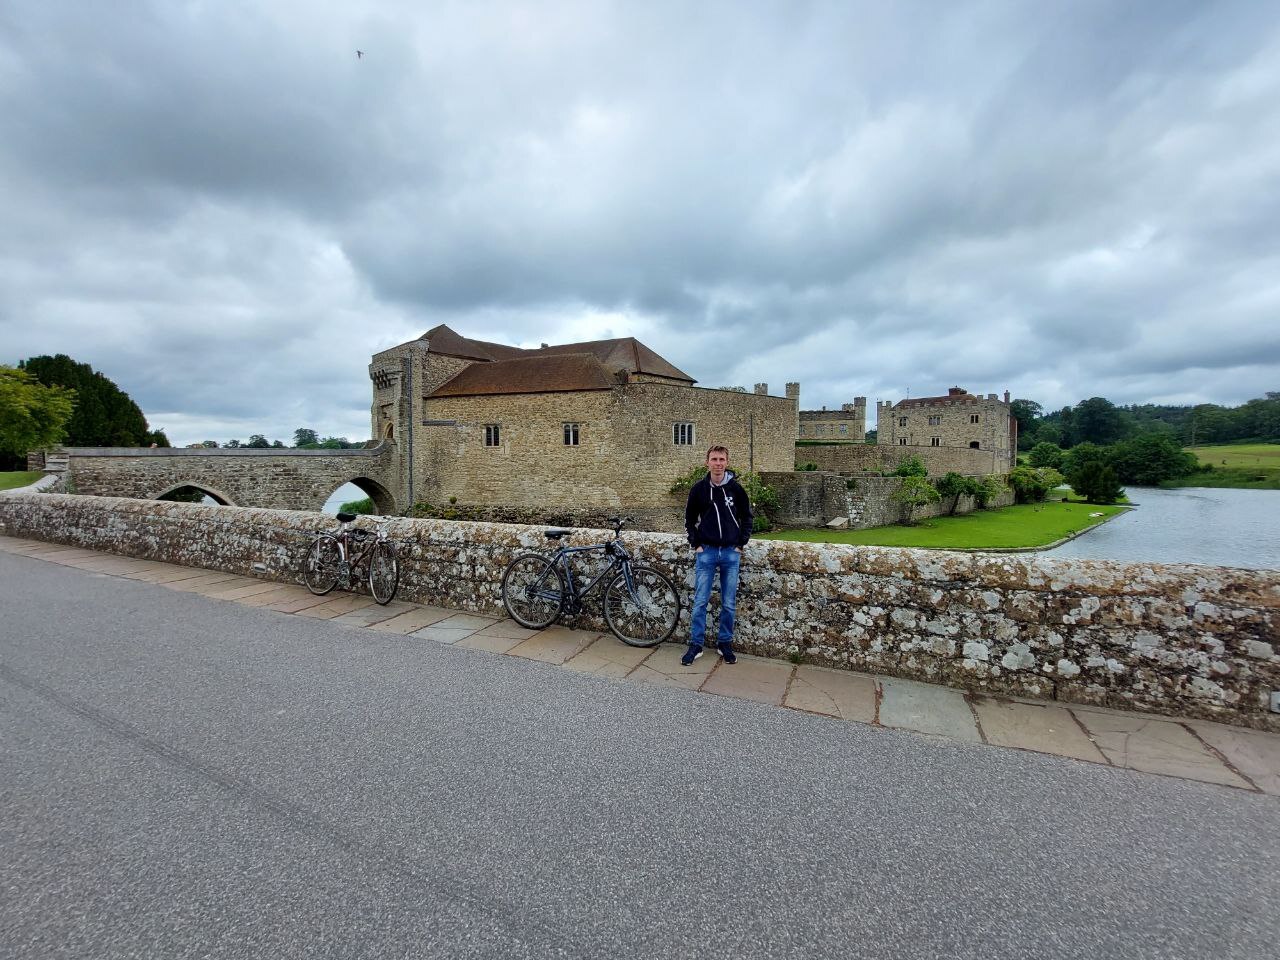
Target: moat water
[1228,528]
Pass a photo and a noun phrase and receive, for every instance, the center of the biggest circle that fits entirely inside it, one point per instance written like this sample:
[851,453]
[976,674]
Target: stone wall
[626,458]
[1181,640]
[811,498]
[240,476]
[874,458]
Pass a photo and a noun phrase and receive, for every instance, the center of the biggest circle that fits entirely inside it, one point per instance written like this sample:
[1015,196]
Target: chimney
[1006,396]
[991,396]
[762,388]
[956,392]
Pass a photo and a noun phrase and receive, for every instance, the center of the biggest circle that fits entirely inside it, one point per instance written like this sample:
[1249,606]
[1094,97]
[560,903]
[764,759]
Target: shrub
[911,466]
[953,486]
[987,489]
[1032,484]
[364,506]
[914,492]
[1097,483]
[1045,454]
[807,466]
[764,499]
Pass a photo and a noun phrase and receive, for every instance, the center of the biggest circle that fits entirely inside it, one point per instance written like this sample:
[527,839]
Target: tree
[1097,483]
[258,442]
[1148,459]
[911,466]
[871,435]
[987,489]
[1032,484]
[914,491]
[1027,413]
[1045,455]
[32,414]
[955,486]
[1099,421]
[305,437]
[232,443]
[1077,458]
[276,444]
[104,415]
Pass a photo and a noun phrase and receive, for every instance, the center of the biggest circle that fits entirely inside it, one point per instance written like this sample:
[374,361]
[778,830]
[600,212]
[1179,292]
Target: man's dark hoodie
[718,516]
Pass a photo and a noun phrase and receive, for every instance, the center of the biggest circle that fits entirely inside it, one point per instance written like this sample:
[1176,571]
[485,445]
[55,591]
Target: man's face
[717,461]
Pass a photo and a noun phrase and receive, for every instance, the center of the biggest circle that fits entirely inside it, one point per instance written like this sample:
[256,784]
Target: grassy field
[1018,526]
[18,478]
[1246,466]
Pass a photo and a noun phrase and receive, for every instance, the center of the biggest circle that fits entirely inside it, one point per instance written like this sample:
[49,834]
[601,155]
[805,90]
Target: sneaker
[726,651]
[690,655]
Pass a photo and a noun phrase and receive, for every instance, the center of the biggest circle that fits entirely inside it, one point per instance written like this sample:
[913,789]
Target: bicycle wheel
[320,568]
[384,573]
[644,614]
[532,591]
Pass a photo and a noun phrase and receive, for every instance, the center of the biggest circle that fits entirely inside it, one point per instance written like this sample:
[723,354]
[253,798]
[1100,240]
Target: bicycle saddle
[555,534]
[346,517]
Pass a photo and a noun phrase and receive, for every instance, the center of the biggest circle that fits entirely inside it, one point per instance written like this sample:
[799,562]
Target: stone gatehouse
[596,426]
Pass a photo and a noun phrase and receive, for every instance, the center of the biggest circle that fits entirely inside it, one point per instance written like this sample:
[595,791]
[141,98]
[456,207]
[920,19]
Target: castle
[960,419]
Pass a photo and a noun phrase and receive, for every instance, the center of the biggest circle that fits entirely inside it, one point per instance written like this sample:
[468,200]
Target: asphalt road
[182,777]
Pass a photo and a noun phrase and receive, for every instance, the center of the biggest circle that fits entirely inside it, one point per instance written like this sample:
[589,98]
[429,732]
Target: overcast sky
[225,210]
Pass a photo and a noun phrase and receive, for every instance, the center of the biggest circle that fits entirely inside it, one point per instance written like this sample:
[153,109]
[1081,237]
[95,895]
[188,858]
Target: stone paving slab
[480,640]
[751,678]
[553,645]
[337,605]
[415,619]
[508,629]
[924,708]
[207,580]
[283,591]
[296,602]
[368,616]
[466,621]
[836,693]
[439,634]
[1254,753]
[170,573]
[1155,746]
[252,590]
[608,657]
[1042,727]
[663,668]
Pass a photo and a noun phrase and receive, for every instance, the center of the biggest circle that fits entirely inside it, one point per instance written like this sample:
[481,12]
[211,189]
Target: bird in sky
[359,54]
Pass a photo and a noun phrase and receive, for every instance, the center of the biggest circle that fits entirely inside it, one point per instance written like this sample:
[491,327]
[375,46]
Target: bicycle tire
[384,573]
[652,620]
[525,574]
[320,565]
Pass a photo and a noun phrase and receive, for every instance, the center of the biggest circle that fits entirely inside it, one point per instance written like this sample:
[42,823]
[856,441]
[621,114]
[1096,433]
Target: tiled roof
[546,365]
[534,374]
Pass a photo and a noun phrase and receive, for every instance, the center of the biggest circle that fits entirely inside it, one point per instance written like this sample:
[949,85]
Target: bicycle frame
[618,558]
[353,552]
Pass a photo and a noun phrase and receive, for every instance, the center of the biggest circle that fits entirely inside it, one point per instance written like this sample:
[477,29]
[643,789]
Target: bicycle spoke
[532,591]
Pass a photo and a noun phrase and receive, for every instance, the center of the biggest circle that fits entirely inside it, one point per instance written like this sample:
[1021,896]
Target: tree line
[1100,422]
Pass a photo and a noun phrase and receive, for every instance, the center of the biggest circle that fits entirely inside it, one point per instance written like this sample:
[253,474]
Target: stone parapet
[1187,641]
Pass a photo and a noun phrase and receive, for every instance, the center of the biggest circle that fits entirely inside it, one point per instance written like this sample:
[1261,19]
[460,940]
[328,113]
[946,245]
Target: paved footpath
[1189,749]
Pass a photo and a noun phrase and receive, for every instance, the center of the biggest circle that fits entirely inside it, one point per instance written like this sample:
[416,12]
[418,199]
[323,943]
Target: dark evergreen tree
[104,416]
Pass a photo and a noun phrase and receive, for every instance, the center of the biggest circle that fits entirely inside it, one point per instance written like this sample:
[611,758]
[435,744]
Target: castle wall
[877,458]
[847,423]
[626,457]
[1182,640]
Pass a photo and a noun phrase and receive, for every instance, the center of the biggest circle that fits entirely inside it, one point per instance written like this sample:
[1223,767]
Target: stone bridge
[240,476]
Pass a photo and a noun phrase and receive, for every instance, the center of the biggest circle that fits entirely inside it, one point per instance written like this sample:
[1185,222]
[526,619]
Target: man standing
[718,519]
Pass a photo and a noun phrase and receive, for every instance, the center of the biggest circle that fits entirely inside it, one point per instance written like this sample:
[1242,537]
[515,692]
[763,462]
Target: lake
[1228,528]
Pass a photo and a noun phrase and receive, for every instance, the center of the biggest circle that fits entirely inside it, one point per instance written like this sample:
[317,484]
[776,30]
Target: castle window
[682,434]
[844,428]
[902,441]
[974,445]
[570,434]
[902,421]
[819,428]
[934,421]
[973,418]
[492,437]
[935,441]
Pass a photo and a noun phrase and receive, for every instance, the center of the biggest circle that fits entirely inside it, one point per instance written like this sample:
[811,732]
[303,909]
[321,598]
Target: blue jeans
[726,560]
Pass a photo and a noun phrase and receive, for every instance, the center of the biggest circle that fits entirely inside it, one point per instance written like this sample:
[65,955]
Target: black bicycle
[349,555]
[641,605]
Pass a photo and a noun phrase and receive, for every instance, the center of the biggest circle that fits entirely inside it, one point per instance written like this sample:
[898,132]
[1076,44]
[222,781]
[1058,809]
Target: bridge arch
[384,502]
[222,498]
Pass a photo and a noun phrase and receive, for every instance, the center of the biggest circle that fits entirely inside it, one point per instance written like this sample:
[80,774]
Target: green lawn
[1025,525]
[18,478]
[1246,466]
